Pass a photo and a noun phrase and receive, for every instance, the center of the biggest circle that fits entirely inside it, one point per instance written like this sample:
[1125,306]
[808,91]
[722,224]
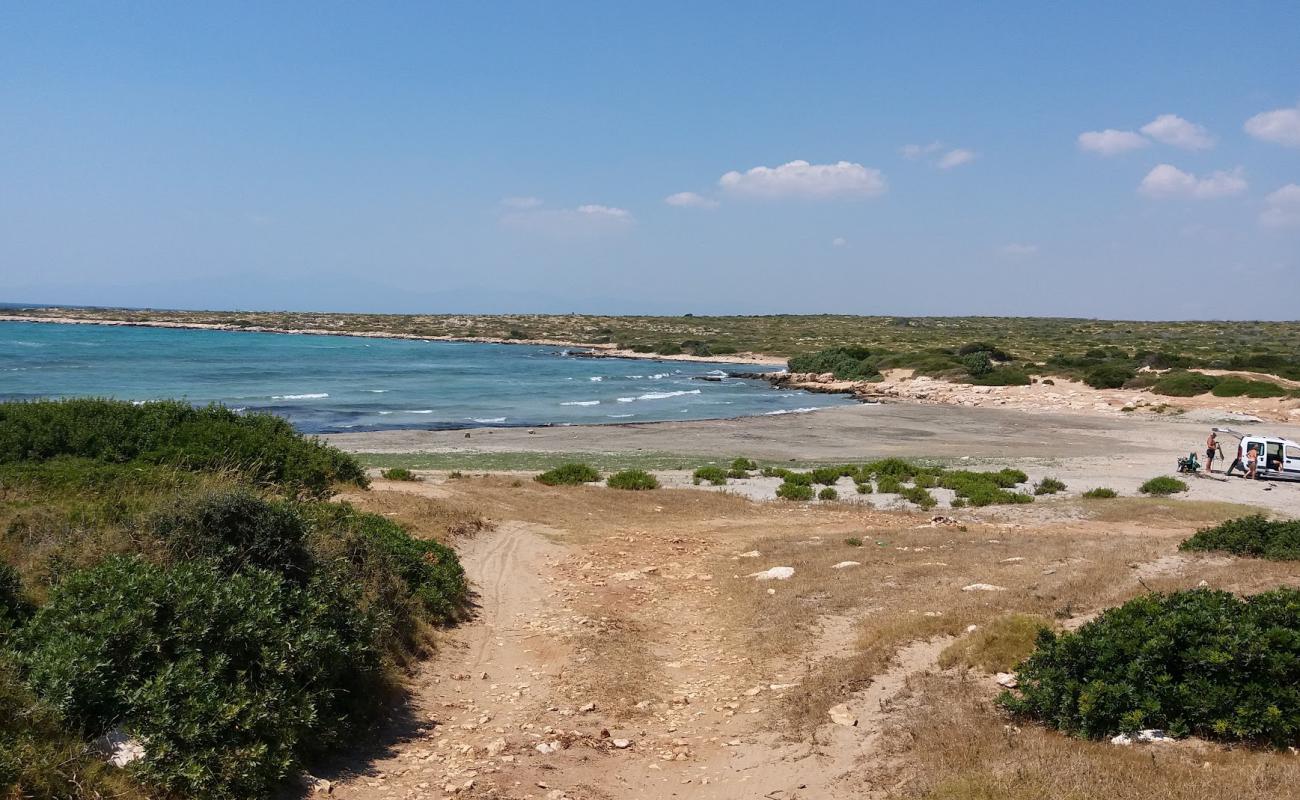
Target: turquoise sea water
[330,384]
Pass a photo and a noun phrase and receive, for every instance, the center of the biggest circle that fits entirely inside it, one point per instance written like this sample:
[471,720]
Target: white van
[1279,459]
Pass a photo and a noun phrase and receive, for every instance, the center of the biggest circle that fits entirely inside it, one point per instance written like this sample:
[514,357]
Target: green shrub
[743,465]
[828,493]
[776,472]
[1250,536]
[986,488]
[632,479]
[845,363]
[14,608]
[1049,486]
[926,480]
[976,363]
[1100,493]
[1110,376]
[991,350]
[263,448]
[1163,485]
[996,646]
[714,475]
[1197,662]
[1002,376]
[826,476]
[231,680]
[235,528]
[853,541]
[572,474]
[405,580]
[888,484]
[794,491]
[893,467]
[800,478]
[1178,383]
[1233,386]
[400,474]
[863,487]
[920,496]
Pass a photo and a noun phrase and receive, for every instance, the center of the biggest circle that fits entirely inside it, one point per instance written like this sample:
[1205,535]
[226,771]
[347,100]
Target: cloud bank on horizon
[654,160]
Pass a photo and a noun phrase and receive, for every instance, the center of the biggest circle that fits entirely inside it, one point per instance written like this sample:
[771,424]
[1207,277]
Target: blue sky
[478,157]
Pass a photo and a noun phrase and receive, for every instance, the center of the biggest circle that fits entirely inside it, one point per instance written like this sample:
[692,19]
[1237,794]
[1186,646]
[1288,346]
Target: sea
[336,384]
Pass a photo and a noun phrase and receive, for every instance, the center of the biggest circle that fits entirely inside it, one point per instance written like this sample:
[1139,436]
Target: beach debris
[841,715]
[846,565]
[940,519]
[773,574]
[119,748]
[983,587]
[1007,680]
[1145,735]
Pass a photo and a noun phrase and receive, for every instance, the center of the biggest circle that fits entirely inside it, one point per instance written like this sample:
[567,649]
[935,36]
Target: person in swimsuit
[1211,445]
[1252,462]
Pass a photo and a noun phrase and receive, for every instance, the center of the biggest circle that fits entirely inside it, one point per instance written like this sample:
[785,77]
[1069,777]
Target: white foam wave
[419,411]
[489,420]
[313,396]
[377,391]
[666,395]
[791,411]
[581,403]
[596,378]
[620,416]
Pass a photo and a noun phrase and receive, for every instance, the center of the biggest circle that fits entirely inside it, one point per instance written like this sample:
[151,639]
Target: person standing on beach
[1236,462]
[1211,444]
[1252,462]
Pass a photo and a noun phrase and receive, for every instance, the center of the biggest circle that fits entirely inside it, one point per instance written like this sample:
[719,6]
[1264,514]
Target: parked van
[1279,459]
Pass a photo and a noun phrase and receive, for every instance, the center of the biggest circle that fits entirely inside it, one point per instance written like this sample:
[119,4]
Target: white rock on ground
[1145,735]
[846,565]
[983,587]
[773,574]
[1007,679]
[841,715]
[119,749]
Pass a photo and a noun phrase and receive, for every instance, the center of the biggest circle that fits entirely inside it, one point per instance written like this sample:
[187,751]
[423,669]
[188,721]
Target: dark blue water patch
[334,384]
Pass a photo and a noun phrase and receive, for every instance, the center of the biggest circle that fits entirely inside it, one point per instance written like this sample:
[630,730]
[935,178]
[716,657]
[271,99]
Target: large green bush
[227,680]
[986,488]
[261,447]
[714,475]
[632,479]
[845,363]
[1179,383]
[236,529]
[1233,386]
[1197,662]
[1162,485]
[1110,375]
[794,491]
[1250,536]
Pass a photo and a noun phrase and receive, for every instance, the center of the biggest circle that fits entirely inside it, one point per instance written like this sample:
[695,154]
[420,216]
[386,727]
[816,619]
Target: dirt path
[590,673]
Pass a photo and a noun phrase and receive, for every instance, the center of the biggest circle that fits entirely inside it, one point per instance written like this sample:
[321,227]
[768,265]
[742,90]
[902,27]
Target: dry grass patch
[997,646]
[425,516]
[616,669]
[1161,512]
[953,744]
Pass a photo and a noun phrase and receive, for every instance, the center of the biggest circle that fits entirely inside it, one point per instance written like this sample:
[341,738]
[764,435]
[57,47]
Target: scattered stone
[983,587]
[1145,735]
[589,707]
[496,747]
[1013,559]
[119,749]
[750,554]
[1007,680]
[845,565]
[622,744]
[315,785]
[546,748]
[773,574]
[841,715]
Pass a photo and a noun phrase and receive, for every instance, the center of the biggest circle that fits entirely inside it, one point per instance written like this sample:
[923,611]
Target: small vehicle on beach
[1279,459]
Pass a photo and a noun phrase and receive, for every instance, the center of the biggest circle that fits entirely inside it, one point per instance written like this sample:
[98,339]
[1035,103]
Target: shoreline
[596,350]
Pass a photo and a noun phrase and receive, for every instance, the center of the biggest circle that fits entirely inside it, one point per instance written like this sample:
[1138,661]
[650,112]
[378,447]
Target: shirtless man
[1211,445]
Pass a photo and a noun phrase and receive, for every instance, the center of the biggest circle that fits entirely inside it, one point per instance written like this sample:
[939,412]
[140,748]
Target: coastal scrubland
[176,589]
[779,336]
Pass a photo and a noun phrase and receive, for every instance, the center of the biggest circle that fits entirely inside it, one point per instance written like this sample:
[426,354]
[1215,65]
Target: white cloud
[955,158]
[839,241]
[690,200]
[585,221]
[520,202]
[1280,126]
[801,179]
[1018,249]
[1282,208]
[1111,142]
[1166,180]
[918,150]
[1173,130]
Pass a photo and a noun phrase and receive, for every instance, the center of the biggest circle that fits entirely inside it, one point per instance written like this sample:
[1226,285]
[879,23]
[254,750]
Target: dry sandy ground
[621,649]
[1085,450]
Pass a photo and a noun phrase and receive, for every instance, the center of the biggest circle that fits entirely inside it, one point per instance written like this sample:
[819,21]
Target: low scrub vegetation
[1163,486]
[828,493]
[986,488]
[1100,493]
[572,474]
[1250,536]
[399,474]
[205,606]
[1198,662]
[632,479]
[741,467]
[261,448]
[714,475]
[1049,486]
[919,496]
[844,363]
[794,491]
